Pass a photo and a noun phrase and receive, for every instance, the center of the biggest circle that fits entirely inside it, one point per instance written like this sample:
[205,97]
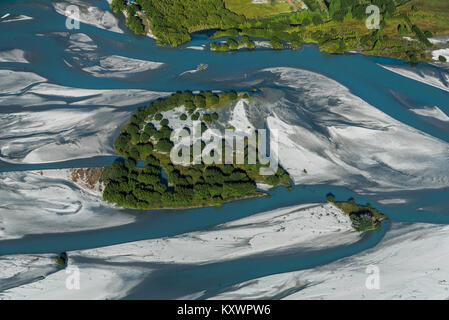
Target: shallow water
[387,91]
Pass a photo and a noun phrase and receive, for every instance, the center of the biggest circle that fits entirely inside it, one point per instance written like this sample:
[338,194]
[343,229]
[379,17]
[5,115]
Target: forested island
[363,218]
[336,26]
[137,186]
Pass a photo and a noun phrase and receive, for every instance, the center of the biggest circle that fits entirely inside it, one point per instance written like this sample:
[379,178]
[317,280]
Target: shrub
[61,260]
[330,197]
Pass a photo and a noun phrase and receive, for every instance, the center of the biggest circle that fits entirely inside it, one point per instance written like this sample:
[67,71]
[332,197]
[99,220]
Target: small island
[363,218]
[148,179]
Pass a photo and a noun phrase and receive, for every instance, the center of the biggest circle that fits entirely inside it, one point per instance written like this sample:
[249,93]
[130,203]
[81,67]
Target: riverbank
[404,31]
[308,226]
[54,201]
[409,264]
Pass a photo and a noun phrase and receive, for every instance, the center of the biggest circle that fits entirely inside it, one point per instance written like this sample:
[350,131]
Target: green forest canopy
[140,187]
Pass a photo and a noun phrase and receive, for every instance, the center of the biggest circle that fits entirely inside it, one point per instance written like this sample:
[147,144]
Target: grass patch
[255,10]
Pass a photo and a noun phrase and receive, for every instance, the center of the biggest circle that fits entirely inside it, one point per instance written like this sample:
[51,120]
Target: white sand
[262,44]
[264,186]
[421,76]
[105,272]
[440,52]
[440,39]
[196,47]
[412,262]
[335,136]
[32,203]
[59,134]
[392,201]
[90,15]
[86,56]
[17,81]
[15,18]
[121,67]
[433,112]
[46,281]
[107,97]
[63,134]
[239,119]
[14,55]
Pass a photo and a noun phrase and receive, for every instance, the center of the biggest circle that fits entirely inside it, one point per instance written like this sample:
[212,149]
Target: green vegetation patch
[252,10]
[363,218]
[61,260]
[195,185]
[335,25]
[172,21]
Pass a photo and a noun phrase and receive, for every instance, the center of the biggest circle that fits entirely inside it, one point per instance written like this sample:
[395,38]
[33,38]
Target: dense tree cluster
[118,5]
[172,21]
[142,187]
[133,20]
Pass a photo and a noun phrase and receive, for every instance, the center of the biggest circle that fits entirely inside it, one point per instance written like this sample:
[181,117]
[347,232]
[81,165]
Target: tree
[144,149]
[330,197]
[276,44]
[130,164]
[152,161]
[117,5]
[135,24]
[195,116]
[233,45]
[115,172]
[442,59]
[148,179]
[149,129]
[164,145]
[121,143]
[213,175]
[200,101]
[207,118]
